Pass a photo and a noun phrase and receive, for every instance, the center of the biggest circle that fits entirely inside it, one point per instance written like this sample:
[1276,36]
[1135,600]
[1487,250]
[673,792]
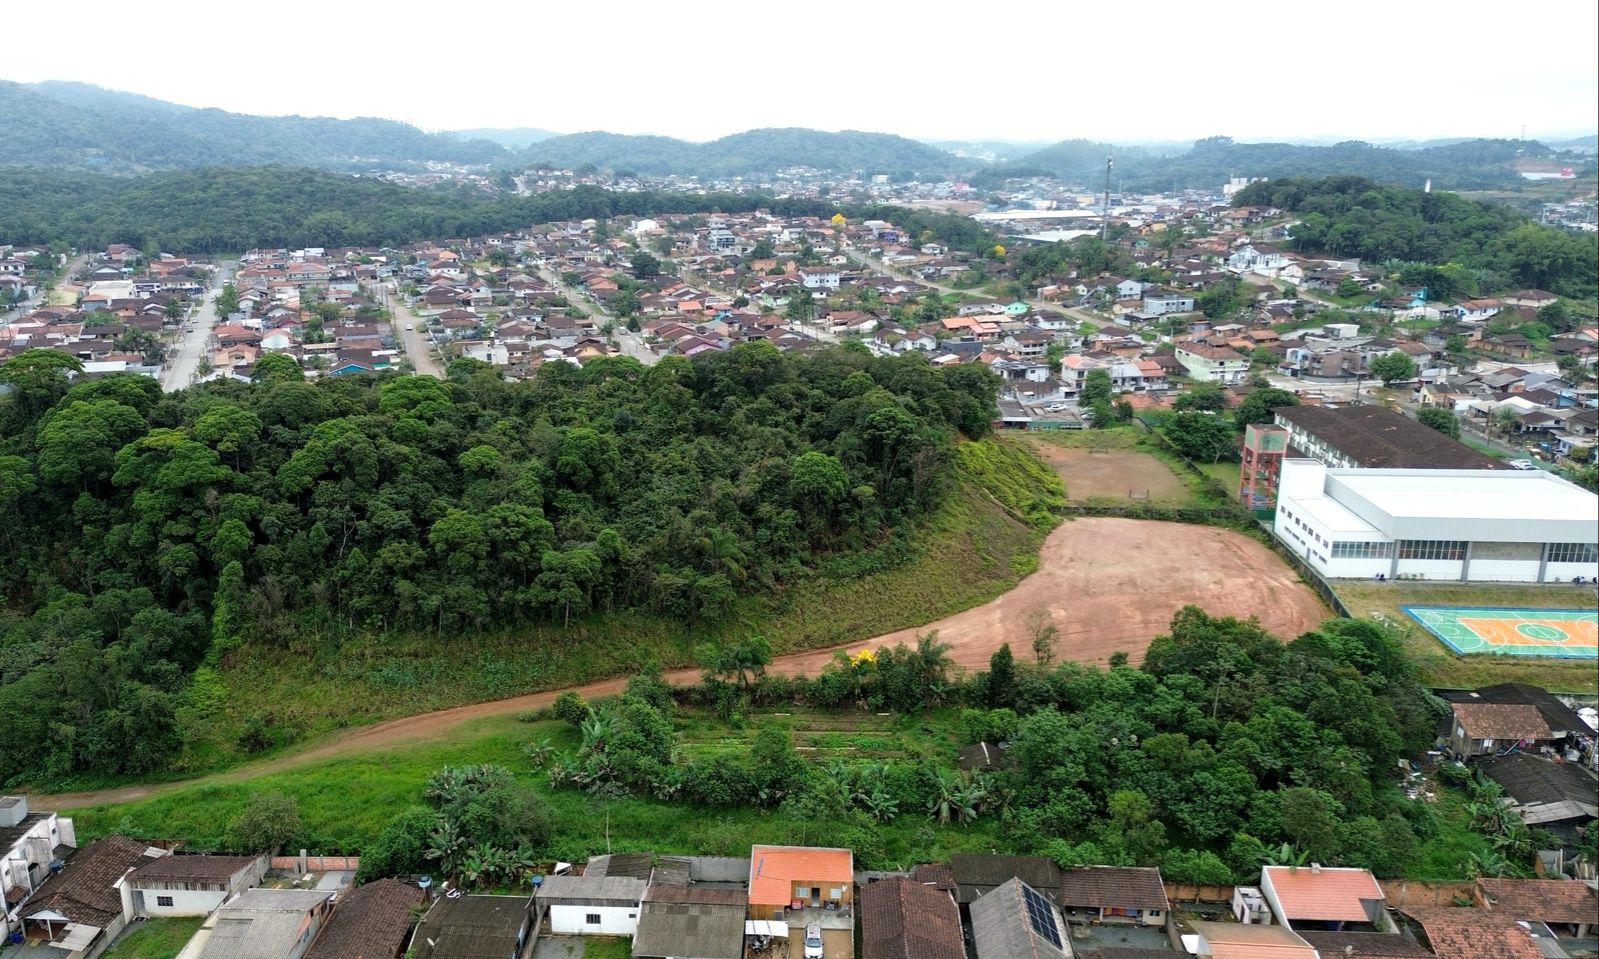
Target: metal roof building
[1464,525]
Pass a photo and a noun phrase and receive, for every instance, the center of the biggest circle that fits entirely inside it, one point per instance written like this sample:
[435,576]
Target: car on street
[1522,465]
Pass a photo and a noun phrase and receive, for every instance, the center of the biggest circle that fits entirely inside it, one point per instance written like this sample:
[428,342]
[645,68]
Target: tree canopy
[162,531]
[1464,247]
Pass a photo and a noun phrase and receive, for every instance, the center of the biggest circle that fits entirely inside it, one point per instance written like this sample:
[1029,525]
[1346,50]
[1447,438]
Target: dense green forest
[145,534]
[77,125]
[235,209]
[1471,164]
[753,151]
[1489,248]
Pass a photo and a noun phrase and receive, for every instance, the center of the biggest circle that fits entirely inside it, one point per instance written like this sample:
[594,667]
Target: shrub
[269,822]
[570,708]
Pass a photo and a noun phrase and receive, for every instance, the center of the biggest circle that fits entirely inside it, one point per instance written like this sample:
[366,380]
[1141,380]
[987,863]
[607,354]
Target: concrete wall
[573,920]
[184,902]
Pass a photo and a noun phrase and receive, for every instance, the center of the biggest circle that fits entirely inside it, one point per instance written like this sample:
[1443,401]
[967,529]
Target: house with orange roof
[1317,897]
[806,885]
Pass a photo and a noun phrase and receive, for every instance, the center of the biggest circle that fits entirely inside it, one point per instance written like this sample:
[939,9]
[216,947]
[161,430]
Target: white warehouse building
[1508,526]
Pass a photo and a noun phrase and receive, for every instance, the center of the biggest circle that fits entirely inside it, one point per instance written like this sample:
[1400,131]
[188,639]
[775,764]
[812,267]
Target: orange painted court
[1559,633]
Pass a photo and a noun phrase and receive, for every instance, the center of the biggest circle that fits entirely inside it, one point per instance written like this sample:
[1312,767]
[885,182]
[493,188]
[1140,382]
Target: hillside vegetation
[1474,248]
[235,209]
[146,535]
[748,152]
[1469,164]
[77,125]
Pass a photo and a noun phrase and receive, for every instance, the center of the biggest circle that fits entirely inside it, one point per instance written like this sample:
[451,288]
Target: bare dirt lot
[1112,474]
[1111,585]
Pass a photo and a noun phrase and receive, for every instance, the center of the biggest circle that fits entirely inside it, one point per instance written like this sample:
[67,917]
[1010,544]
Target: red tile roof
[903,919]
[1501,721]
[1322,893]
[1541,900]
[369,922]
[1475,934]
[775,869]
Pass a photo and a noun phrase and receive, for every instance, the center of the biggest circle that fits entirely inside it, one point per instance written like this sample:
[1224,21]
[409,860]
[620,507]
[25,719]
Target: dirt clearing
[1111,585]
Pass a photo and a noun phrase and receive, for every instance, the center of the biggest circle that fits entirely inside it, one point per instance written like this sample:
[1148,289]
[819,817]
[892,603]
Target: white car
[1055,408]
[813,942]
[1522,465]
[410,326]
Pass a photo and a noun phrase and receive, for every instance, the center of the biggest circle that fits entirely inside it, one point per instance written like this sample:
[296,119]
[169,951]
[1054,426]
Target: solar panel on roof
[1040,916]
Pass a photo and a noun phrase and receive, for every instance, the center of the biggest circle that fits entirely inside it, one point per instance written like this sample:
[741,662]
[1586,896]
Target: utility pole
[1104,218]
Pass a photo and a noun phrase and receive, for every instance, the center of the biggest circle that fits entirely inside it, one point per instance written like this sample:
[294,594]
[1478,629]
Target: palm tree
[880,805]
[445,846]
[969,800]
[932,664]
[598,729]
[1285,855]
[945,797]
[1487,864]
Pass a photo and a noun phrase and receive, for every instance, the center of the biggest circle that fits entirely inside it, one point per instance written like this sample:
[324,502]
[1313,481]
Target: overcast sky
[1040,70]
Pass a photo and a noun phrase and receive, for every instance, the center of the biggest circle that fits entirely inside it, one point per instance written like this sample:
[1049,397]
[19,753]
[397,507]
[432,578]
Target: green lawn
[344,803]
[607,947]
[1441,666]
[154,939]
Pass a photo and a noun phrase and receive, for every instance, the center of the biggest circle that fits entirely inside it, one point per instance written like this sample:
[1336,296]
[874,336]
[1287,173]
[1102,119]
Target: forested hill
[236,209]
[1455,246]
[75,125]
[143,534]
[58,124]
[1466,165]
[753,151]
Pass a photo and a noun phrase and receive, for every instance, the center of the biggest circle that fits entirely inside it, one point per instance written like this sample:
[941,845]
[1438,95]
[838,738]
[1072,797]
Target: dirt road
[1110,584]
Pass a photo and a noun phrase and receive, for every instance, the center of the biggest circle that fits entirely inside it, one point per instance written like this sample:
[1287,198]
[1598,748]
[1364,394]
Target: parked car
[1522,465]
[813,941]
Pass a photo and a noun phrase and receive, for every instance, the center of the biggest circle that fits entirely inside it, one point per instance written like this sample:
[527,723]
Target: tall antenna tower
[1104,216]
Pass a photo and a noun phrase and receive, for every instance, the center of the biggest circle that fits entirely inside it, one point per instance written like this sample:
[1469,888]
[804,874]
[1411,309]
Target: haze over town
[1018,71]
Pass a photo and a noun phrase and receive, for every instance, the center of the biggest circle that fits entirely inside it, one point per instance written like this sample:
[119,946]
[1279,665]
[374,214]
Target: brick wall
[318,863]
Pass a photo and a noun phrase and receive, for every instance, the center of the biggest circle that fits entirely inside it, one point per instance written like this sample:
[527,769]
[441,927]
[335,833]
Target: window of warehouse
[1445,549]
[1573,553]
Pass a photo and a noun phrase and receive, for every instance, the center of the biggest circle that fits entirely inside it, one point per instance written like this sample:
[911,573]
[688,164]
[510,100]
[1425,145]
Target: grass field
[1172,483]
[345,803]
[981,542]
[154,939]
[1442,667]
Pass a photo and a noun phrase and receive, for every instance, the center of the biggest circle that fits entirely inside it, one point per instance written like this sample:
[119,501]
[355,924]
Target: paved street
[406,329]
[183,361]
[39,299]
[631,344]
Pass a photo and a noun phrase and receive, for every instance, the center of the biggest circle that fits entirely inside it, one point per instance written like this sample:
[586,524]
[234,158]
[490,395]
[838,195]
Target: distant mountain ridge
[753,151]
[512,138]
[1463,165]
[57,123]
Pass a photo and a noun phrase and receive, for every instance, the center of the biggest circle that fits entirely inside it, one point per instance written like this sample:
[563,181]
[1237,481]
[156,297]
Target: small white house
[187,885]
[590,905]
